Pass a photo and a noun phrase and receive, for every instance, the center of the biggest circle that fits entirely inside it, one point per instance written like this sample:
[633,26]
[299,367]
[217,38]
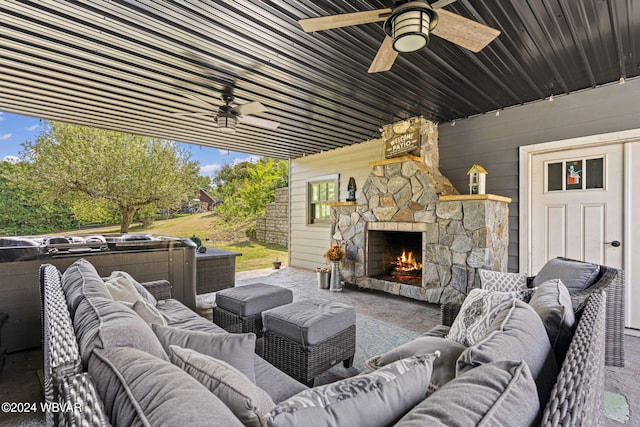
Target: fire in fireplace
[406,264]
[395,256]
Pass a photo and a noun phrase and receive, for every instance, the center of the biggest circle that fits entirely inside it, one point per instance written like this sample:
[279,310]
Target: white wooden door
[577,205]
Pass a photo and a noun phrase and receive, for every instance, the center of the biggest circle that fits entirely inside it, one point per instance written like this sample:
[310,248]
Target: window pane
[331,191]
[315,192]
[574,175]
[554,176]
[323,192]
[595,173]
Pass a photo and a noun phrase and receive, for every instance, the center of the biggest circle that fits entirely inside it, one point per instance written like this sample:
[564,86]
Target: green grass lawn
[214,233]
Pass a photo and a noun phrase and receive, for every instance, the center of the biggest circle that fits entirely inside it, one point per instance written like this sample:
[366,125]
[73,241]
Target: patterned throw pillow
[502,282]
[375,399]
[478,310]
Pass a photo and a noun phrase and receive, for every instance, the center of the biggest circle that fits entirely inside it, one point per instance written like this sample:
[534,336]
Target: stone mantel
[466,197]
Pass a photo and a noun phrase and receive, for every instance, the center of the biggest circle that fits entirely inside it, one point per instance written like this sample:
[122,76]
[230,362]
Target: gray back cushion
[246,400]
[576,275]
[235,349]
[516,334]
[375,399]
[104,323]
[81,280]
[496,394]
[552,302]
[140,389]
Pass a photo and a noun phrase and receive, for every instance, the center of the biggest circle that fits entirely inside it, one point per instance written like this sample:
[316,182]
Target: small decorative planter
[276,264]
[335,284]
[324,277]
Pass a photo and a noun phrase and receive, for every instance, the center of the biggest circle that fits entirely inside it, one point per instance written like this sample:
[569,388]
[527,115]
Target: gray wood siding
[493,141]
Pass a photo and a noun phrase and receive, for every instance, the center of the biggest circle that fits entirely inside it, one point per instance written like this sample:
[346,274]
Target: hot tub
[145,256]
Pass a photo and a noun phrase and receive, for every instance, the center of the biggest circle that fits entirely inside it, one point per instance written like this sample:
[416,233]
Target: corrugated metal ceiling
[135,65]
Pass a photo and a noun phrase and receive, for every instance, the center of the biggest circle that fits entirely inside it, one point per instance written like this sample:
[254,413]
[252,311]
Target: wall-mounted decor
[402,138]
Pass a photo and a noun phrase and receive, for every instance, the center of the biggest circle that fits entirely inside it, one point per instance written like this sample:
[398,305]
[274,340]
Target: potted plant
[335,254]
[277,263]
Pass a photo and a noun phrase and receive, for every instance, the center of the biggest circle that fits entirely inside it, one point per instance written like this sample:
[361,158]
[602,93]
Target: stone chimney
[406,193]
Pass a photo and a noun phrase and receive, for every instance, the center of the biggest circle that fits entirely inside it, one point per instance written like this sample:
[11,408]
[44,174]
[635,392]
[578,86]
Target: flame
[406,262]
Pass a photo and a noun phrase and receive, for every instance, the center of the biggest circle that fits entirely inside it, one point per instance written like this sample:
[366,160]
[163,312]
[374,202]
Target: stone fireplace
[406,204]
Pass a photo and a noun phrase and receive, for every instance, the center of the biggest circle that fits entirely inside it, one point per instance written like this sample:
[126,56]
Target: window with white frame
[320,191]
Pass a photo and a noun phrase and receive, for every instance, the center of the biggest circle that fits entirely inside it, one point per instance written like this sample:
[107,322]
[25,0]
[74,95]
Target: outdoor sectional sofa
[104,365]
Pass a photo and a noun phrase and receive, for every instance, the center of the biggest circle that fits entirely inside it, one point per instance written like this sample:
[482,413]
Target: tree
[22,211]
[246,188]
[125,171]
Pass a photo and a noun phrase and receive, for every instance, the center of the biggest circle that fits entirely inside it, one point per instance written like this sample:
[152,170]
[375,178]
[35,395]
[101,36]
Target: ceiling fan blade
[249,108]
[194,114]
[442,3]
[343,20]
[385,57]
[201,101]
[257,121]
[464,32]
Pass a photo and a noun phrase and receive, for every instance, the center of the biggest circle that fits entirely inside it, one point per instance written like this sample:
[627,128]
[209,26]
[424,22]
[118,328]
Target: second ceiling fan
[407,27]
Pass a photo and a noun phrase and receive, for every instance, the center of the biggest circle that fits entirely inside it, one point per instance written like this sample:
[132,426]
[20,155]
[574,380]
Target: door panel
[577,205]
[594,224]
[555,231]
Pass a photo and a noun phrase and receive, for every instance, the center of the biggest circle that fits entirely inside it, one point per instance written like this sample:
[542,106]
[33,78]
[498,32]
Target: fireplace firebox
[395,256]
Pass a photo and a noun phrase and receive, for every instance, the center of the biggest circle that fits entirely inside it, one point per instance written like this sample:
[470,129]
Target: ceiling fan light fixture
[227,122]
[409,26]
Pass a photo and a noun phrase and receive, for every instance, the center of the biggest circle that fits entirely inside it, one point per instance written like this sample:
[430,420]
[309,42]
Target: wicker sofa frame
[576,398]
[610,280]
[305,362]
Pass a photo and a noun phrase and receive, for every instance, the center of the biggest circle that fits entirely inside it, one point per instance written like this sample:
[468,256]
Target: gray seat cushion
[180,316]
[576,275]
[496,394]
[276,383]
[444,367]
[253,299]
[309,321]
[139,389]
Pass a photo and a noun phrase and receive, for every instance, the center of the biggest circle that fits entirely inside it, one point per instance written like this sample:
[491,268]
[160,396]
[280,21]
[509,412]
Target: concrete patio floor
[20,381]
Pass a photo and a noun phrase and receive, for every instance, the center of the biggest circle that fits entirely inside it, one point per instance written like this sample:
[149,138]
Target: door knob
[615,243]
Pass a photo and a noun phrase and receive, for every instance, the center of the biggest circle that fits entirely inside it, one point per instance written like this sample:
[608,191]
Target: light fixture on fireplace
[409,26]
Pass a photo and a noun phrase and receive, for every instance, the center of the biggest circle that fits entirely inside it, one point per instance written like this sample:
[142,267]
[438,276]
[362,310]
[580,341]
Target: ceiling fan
[407,27]
[228,115]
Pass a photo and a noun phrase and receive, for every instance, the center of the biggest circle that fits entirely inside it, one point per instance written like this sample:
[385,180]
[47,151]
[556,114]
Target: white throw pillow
[478,310]
[502,282]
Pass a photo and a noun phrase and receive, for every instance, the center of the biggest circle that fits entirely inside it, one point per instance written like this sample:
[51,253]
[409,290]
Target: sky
[16,129]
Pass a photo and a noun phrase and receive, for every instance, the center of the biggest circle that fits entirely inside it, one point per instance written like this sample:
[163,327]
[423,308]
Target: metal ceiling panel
[138,65]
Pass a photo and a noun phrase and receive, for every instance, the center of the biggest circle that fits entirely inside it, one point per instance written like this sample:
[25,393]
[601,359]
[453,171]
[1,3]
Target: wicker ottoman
[240,309]
[308,337]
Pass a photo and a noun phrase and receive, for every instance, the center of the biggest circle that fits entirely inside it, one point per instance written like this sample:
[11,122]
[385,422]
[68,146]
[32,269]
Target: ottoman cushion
[253,299]
[310,321]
